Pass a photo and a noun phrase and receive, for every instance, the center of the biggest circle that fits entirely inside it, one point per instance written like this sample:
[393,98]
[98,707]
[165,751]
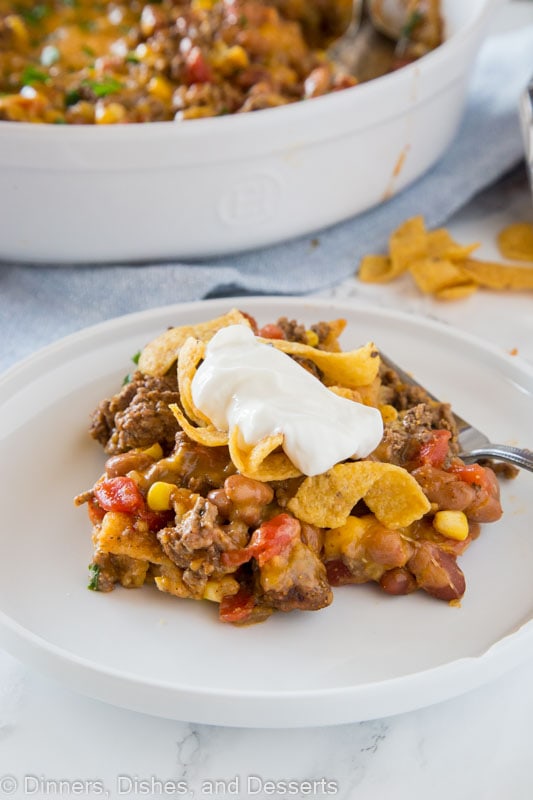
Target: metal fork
[473,443]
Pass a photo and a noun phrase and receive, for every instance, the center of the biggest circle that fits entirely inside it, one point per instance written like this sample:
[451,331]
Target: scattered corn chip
[407,244]
[458,292]
[516,241]
[389,491]
[443,268]
[376,269]
[432,274]
[159,354]
[498,276]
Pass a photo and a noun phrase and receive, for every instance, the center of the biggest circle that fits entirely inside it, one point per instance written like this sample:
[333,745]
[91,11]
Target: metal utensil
[473,443]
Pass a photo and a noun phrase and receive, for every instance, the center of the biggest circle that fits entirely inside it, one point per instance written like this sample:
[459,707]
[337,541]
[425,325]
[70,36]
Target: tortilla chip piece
[457,292]
[389,491]
[440,244]
[516,241]
[498,276]
[207,435]
[189,358]
[351,369]
[407,244]
[376,269]
[433,275]
[159,354]
[262,461]
[331,343]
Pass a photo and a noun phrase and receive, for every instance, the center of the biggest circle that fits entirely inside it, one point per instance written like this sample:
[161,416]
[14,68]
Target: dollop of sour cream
[246,383]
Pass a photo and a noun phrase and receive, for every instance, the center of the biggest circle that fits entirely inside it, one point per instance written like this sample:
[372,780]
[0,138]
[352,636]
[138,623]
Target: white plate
[368,655]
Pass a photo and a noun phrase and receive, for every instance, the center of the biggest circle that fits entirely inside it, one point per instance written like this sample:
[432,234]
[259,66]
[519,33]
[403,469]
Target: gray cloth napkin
[41,303]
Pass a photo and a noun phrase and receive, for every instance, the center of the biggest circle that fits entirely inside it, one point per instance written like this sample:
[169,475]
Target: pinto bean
[398,581]
[387,547]
[220,499]
[126,462]
[248,497]
[437,572]
[444,488]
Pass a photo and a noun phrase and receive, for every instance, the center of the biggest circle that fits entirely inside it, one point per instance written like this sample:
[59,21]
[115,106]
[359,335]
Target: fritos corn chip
[516,241]
[443,268]
[389,491]
[350,369]
[159,354]
[206,435]
[261,462]
[497,276]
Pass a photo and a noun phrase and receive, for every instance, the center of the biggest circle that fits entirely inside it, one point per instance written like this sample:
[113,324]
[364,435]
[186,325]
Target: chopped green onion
[104,87]
[35,14]
[94,574]
[72,97]
[136,357]
[414,19]
[31,75]
[88,50]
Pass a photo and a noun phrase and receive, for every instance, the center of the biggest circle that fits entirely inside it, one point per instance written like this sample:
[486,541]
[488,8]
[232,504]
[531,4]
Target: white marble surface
[475,746]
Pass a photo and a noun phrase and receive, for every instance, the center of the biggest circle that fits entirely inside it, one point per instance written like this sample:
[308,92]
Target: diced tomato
[156,519]
[435,450]
[271,331]
[470,473]
[119,494]
[273,537]
[269,540]
[197,68]
[237,607]
[338,573]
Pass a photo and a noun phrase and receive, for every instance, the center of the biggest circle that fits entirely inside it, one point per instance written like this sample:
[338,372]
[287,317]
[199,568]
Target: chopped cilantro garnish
[35,14]
[104,87]
[127,379]
[94,574]
[88,50]
[414,19]
[131,58]
[72,97]
[31,75]
[136,357]
[87,25]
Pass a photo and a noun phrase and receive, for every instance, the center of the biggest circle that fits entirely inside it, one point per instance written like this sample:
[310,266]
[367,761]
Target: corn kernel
[155,450]
[159,497]
[202,5]
[217,589]
[110,114]
[312,338]
[452,524]
[18,26]
[237,57]
[388,413]
[159,87]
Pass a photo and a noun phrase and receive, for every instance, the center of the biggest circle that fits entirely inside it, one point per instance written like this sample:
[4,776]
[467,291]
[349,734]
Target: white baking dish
[212,186]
